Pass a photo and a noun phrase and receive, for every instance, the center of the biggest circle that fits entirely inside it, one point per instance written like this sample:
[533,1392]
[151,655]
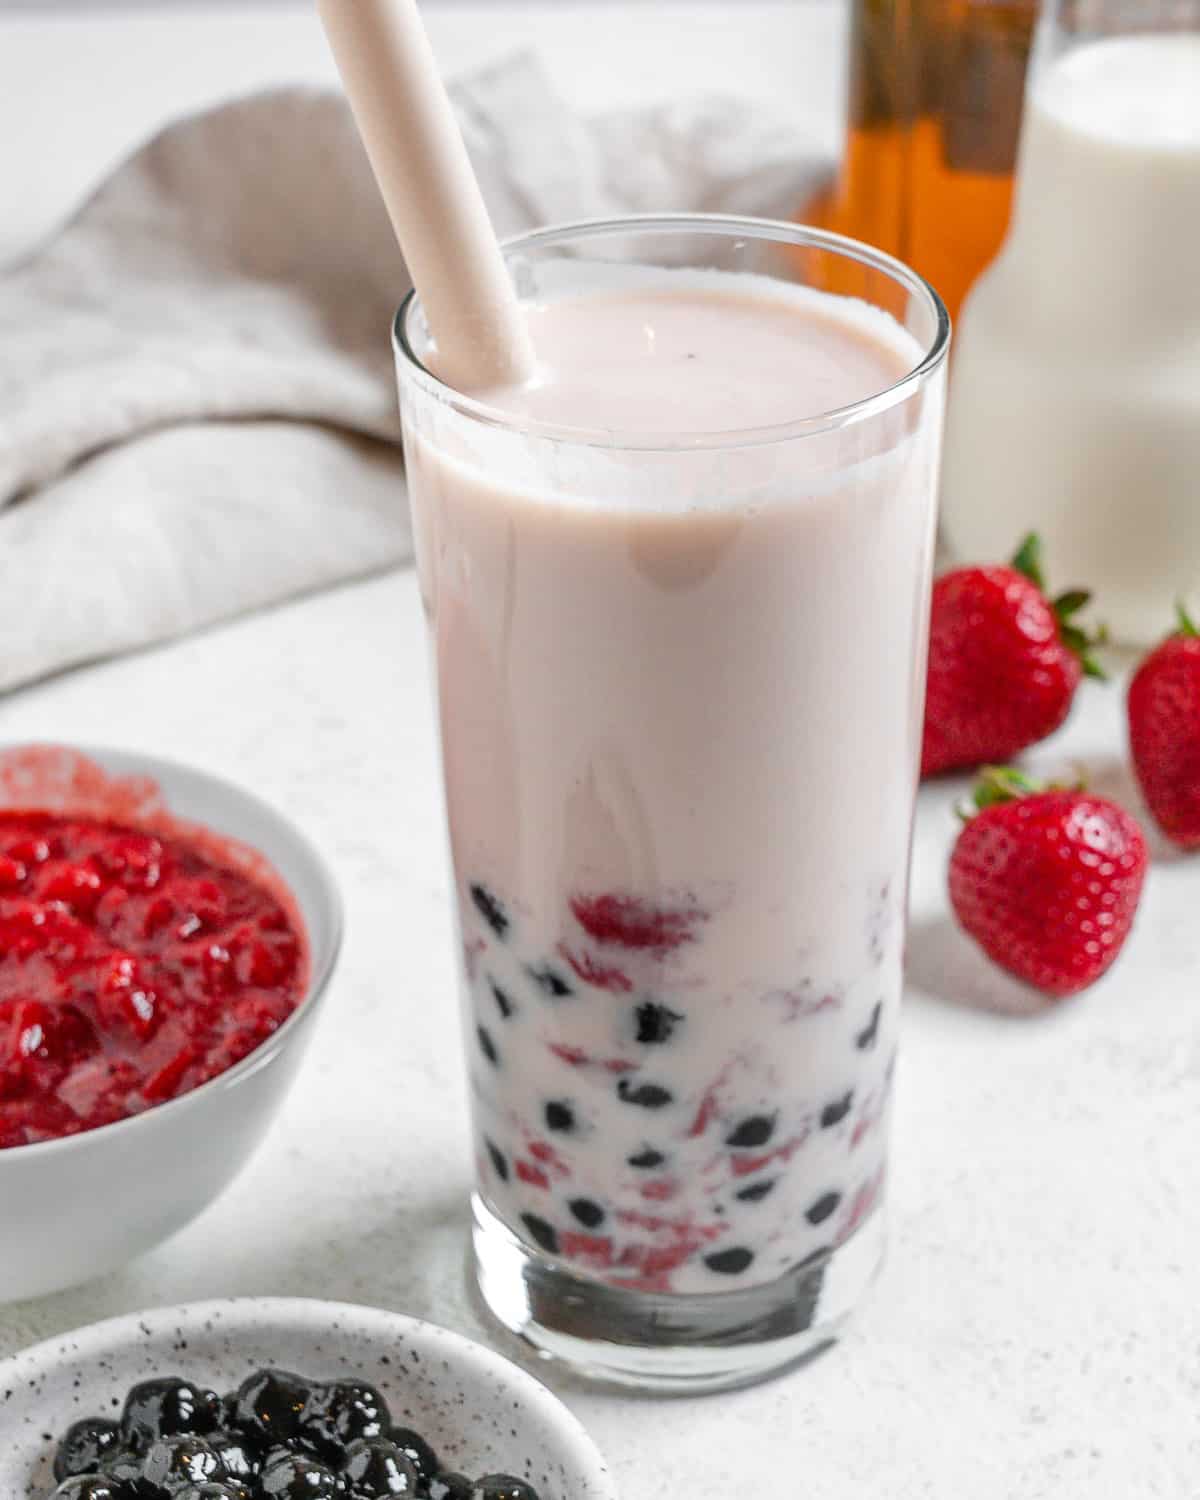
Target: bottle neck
[1108,221]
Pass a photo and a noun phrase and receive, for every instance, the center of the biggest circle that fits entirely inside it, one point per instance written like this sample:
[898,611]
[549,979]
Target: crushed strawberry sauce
[133,968]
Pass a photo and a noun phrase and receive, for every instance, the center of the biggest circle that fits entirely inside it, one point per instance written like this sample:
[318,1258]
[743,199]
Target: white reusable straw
[417,153]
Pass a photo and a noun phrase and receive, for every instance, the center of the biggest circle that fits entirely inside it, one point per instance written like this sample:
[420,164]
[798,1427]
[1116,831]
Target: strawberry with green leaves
[1047,880]
[1164,732]
[1004,662]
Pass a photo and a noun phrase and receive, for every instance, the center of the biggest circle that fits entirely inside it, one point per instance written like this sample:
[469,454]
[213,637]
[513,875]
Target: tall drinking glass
[679,680]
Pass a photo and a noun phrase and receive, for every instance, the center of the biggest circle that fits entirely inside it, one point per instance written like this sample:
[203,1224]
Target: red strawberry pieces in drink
[659,1190]
[634,924]
[671,1242]
[532,1175]
[1004,662]
[545,1153]
[1047,881]
[578,1057]
[1164,733]
[592,1250]
[707,1111]
[742,1165]
[592,971]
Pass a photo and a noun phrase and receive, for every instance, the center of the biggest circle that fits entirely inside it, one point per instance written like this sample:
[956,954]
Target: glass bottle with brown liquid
[935,92]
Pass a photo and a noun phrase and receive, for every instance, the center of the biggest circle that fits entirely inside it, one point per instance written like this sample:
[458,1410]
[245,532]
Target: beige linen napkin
[197,408]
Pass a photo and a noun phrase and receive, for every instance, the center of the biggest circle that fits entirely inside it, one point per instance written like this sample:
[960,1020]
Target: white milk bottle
[1075,395]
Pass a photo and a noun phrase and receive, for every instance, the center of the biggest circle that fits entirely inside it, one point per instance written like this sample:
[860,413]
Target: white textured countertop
[1036,1332]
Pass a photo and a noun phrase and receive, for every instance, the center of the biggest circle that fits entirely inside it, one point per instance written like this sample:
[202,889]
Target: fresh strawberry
[1164,732]
[1047,880]
[1004,662]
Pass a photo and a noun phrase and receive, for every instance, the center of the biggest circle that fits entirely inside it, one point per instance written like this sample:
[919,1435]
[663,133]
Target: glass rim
[778,230]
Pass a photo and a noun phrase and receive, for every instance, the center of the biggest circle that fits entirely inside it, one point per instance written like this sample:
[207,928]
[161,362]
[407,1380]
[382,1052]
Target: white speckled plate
[481,1413]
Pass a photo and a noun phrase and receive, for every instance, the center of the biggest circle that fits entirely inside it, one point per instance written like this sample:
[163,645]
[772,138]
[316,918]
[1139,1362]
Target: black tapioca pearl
[504,1001]
[836,1111]
[490,909]
[487,1046]
[647,1159]
[451,1486]
[645,1095]
[499,1161]
[756,1192]
[168,1407]
[825,1205]
[866,1037]
[730,1262]
[655,1023]
[755,1130]
[541,1233]
[550,980]
[559,1116]
[589,1214]
[84,1447]
[418,1452]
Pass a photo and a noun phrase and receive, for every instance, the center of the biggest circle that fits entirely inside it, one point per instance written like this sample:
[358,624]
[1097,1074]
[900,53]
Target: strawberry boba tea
[677,590]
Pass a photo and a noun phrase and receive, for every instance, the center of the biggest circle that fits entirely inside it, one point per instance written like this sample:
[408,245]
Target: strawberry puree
[138,957]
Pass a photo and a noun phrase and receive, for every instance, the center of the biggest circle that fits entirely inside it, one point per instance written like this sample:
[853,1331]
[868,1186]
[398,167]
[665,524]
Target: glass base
[661,1342]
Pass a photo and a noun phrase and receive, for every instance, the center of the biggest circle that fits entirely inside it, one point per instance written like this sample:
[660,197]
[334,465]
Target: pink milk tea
[678,640]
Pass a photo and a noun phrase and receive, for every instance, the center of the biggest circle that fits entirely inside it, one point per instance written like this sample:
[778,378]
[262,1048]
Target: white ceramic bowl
[78,1207]
[481,1413]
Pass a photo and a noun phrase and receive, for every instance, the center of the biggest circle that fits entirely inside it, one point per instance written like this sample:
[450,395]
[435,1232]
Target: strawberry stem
[1028,560]
[1071,602]
[1003,784]
[1076,639]
[999,784]
[1186,623]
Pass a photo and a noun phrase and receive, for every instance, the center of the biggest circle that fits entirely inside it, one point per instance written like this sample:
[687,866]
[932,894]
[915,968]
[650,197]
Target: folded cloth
[197,407]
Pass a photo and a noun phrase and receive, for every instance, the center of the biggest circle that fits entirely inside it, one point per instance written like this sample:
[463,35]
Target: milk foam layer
[664,366]
[680,736]
[653,369]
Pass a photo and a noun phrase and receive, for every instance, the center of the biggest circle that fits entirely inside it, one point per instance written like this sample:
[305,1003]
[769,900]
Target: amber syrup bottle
[934,109]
